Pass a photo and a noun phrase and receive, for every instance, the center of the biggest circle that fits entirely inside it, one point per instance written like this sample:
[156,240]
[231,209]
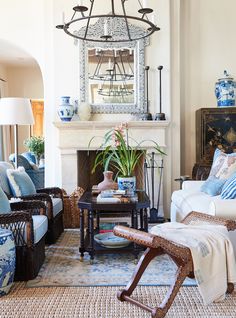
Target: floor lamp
[16,111]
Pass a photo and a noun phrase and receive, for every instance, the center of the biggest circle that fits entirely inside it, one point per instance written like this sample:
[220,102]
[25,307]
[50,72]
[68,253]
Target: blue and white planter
[66,110]
[127,183]
[7,261]
[225,90]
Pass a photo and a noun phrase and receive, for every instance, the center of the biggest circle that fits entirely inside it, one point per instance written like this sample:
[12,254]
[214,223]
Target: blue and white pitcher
[66,110]
[225,90]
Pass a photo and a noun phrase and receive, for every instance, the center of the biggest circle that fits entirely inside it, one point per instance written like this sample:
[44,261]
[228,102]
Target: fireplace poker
[154,218]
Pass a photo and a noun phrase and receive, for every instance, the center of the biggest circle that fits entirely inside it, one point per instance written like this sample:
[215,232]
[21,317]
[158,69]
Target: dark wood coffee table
[136,210]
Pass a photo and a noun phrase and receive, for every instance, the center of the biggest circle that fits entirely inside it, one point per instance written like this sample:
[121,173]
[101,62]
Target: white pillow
[20,182]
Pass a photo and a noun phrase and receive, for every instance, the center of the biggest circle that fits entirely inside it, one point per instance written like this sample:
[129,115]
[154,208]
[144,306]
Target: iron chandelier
[116,76]
[117,25]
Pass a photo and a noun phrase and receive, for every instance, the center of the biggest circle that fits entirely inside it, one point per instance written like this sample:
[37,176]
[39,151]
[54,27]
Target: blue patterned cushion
[4,203]
[4,184]
[20,182]
[229,189]
[213,186]
[223,167]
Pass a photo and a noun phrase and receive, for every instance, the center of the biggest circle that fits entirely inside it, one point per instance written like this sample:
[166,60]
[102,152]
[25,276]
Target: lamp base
[160,116]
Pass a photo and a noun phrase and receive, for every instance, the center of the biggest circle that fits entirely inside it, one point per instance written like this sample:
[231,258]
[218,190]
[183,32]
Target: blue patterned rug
[63,267]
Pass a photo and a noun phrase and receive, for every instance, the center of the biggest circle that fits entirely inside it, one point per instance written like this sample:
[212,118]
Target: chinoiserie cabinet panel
[215,128]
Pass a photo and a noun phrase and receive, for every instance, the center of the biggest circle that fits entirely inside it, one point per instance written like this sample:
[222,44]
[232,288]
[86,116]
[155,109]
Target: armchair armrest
[19,223]
[192,185]
[54,191]
[42,197]
[32,207]
[223,208]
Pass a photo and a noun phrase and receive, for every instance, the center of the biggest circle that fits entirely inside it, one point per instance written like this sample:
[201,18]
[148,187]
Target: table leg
[91,236]
[135,225]
[98,220]
[145,220]
[141,220]
[81,248]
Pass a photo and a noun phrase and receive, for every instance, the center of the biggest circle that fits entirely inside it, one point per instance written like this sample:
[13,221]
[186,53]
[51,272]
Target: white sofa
[190,198]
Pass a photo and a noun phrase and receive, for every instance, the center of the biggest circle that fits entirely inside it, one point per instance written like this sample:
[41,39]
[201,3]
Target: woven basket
[71,215]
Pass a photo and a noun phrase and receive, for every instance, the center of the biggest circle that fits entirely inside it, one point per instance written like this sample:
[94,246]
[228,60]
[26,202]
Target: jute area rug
[101,302]
[63,267]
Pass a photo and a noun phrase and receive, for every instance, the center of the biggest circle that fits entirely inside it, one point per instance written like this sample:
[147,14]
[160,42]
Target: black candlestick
[147,115]
[160,115]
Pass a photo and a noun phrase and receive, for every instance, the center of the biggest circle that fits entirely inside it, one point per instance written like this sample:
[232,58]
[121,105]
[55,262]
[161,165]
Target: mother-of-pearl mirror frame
[139,106]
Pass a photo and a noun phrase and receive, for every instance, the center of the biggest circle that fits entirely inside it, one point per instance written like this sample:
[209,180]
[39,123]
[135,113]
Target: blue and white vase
[7,261]
[127,183]
[66,110]
[225,90]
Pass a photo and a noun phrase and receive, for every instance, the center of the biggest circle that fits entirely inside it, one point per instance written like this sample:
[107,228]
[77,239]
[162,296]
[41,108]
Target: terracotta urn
[107,183]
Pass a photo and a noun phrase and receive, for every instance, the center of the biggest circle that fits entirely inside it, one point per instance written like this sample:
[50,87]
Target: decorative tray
[109,240]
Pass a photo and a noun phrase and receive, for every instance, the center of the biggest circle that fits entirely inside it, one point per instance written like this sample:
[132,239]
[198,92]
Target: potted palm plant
[116,153]
[36,146]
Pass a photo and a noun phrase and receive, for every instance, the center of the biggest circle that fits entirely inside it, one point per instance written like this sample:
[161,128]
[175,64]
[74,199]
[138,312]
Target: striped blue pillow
[229,188]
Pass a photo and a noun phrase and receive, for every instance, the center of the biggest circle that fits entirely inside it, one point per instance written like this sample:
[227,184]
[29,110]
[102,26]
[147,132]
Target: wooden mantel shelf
[91,125]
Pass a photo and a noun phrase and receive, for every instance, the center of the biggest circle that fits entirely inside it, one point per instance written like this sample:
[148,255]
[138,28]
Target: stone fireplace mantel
[75,135]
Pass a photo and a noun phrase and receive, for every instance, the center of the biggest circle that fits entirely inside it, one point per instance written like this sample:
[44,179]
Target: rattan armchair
[180,254]
[52,197]
[30,251]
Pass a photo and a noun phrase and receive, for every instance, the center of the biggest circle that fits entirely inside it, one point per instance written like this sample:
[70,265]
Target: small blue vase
[66,110]
[225,90]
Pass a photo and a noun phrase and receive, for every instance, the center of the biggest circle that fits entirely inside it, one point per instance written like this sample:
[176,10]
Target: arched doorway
[21,77]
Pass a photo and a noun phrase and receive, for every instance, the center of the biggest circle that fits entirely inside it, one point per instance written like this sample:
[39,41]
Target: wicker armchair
[52,197]
[24,222]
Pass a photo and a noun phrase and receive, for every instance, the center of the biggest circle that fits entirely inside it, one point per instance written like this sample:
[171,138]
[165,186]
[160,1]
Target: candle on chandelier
[105,28]
[63,17]
[109,64]
[145,4]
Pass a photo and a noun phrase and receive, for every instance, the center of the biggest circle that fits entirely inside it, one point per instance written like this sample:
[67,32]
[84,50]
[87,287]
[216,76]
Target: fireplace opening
[86,179]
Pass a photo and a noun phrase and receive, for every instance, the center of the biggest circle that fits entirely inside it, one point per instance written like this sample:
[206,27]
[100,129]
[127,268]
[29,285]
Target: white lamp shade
[16,111]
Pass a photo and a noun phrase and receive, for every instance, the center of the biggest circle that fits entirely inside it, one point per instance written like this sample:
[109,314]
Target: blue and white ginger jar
[127,183]
[66,110]
[225,90]
[7,261]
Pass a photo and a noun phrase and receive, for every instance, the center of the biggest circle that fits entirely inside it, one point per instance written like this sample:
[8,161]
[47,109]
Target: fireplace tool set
[154,217]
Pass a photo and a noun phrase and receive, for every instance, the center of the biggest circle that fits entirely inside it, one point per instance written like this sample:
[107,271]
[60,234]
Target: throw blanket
[212,253]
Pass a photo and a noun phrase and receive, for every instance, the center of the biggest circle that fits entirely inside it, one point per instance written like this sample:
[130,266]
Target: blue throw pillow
[223,167]
[213,186]
[20,182]
[229,188]
[4,203]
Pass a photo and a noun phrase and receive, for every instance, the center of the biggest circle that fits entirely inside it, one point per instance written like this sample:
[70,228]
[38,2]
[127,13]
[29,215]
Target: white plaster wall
[3,85]
[208,47]
[25,82]
[59,60]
